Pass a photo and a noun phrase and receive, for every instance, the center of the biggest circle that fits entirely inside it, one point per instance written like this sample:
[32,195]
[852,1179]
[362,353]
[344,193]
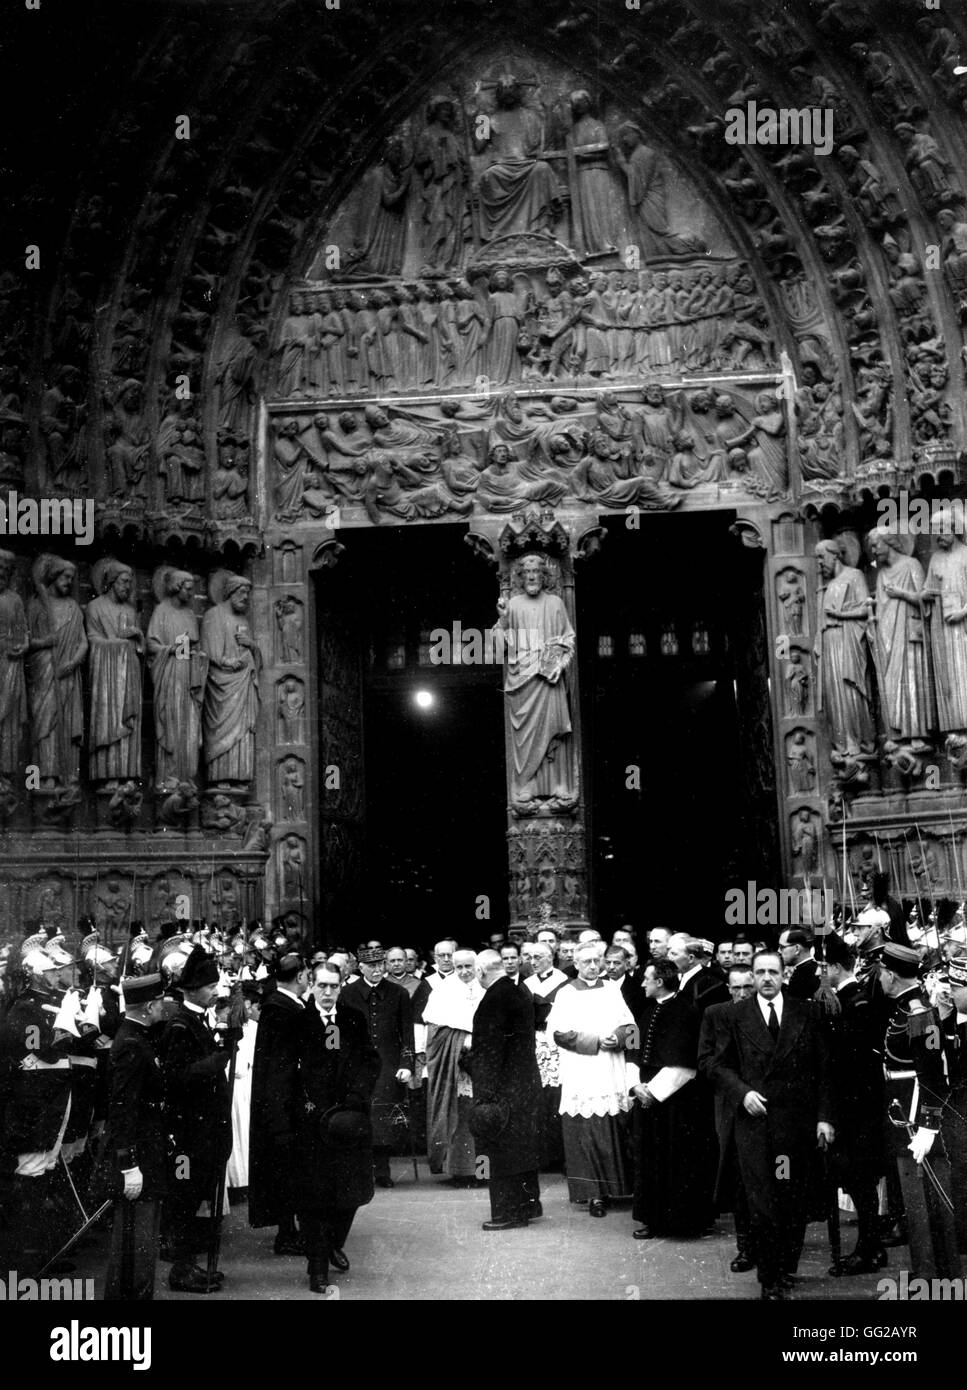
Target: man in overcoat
[507,1092]
[338,1069]
[769,1058]
[275,1111]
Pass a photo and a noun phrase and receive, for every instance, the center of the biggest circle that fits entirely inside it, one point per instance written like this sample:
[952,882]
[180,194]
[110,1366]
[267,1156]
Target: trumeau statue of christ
[538,645]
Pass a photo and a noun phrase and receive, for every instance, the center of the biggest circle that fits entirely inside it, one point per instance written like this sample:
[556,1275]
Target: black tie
[773,1023]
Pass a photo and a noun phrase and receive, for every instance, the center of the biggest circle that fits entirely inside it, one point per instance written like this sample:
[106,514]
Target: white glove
[133,1183]
[921,1143]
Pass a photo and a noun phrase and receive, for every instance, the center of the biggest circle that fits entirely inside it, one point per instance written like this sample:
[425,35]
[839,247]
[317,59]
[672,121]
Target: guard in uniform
[35,1060]
[100,1016]
[198,1106]
[133,1155]
[857,1157]
[916,1092]
[955,1113]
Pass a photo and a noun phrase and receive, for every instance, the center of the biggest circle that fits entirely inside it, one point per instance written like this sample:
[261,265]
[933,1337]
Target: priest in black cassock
[506,1094]
[672,1131]
[388,1014]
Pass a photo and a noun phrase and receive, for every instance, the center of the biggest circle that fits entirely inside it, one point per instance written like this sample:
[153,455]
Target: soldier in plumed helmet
[916,1093]
[35,1052]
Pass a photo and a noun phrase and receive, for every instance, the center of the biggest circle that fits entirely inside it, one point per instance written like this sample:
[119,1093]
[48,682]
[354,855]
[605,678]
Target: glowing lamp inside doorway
[424,699]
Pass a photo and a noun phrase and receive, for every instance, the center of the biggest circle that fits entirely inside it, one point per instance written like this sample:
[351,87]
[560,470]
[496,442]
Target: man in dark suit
[388,1014]
[133,1153]
[730,1194]
[338,1070]
[276,1106]
[506,1096]
[796,953]
[198,1103]
[769,1059]
[698,986]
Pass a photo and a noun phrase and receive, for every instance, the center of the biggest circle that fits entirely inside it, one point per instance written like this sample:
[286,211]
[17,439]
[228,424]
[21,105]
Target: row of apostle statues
[503,452]
[519,163]
[893,662]
[505,327]
[204,677]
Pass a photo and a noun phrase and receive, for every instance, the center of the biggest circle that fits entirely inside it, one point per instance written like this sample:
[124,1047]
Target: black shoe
[597,1207]
[788,1281]
[502,1225]
[337,1258]
[384,1182]
[773,1293]
[860,1262]
[318,1276]
[742,1263]
[186,1278]
[289,1244]
[534,1212]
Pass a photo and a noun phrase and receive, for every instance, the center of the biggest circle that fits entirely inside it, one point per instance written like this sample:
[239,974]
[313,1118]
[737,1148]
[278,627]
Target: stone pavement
[422,1240]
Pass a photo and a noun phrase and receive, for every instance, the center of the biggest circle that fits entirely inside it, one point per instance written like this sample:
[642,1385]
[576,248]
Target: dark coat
[792,1073]
[198,1102]
[275,1113]
[804,980]
[134,1136]
[504,1071]
[724,1104]
[675,1148]
[704,989]
[632,993]
[856,1049]
[34,1100]
[388,1014]
[338,1067]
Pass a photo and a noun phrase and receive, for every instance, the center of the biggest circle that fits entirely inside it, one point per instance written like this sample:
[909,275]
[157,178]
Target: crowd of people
[677,1078]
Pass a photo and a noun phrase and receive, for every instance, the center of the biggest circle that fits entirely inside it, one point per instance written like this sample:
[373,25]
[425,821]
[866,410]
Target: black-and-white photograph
[483,659]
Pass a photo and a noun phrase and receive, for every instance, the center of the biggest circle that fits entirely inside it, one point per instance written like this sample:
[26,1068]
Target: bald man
[506,1085]
[448,1018]
[544,982]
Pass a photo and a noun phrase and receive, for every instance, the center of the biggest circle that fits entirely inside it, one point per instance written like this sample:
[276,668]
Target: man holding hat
[388,1013]
[338,1069]
[199,1110]
[506,1089]
[133,1154]
[916,1093]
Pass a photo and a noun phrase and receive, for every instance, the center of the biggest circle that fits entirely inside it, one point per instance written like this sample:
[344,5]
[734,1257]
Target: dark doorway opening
[432,832]
[678,734]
